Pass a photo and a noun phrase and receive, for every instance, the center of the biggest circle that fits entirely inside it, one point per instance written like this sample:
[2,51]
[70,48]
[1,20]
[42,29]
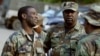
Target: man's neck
[69,26]
[29,30]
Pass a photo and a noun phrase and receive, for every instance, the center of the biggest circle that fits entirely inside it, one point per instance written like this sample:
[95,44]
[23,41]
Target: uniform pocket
[25,50]
[39,50]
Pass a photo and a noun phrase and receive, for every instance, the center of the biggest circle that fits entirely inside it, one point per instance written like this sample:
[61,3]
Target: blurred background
[49,9]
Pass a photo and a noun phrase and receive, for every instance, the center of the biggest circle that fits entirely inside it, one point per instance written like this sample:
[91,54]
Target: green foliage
[52,1]
[86,1]
[79,1]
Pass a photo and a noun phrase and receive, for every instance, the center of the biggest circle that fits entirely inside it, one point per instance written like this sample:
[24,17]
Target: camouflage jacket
[89,46]
[21,44]
[63,44]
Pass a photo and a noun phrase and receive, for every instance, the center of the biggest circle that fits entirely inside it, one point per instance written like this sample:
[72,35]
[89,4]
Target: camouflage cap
[95,7]
[93,19]
[70,6]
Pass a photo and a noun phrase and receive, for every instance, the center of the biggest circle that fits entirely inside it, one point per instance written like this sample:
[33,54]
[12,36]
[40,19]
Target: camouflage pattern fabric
[43,35]
[70,5]
[21,44]
[64,44]
[90,45]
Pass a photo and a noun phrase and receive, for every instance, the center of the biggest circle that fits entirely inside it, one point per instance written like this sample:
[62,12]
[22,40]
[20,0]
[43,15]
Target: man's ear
[24,16]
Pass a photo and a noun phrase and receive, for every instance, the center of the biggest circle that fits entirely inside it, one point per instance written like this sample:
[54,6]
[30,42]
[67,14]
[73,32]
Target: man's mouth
[69,19]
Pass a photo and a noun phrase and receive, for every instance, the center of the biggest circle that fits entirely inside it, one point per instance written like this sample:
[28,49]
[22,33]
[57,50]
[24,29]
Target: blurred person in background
[63,43]
[90,44]
[25,42]
[39,27]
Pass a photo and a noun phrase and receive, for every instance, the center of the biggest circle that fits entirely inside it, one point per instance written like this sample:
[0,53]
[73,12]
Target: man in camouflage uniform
[90,44]
[63,42]
[25,42]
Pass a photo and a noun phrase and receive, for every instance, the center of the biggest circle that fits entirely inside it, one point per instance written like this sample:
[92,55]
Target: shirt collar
[77,26]
[27,36]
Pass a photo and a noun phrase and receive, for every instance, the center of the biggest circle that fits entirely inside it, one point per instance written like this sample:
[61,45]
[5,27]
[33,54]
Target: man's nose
[69,13]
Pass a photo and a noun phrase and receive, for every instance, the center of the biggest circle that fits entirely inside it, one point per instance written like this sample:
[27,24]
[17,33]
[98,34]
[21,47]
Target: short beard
[31,25]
